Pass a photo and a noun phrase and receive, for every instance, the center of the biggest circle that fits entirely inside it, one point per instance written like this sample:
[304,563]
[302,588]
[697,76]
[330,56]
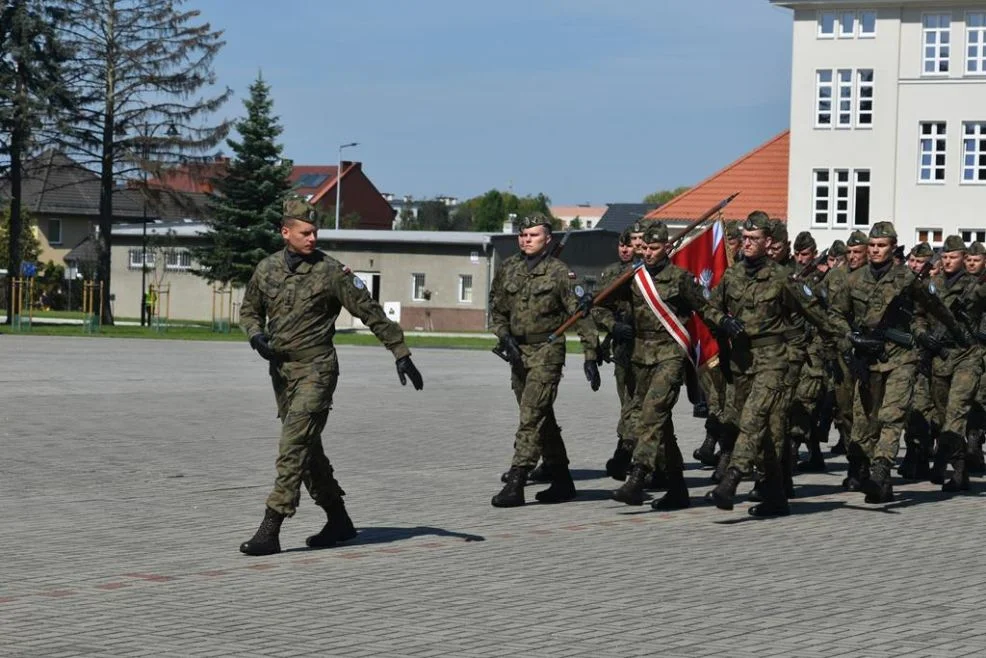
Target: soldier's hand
[585,305]
[405,369]
[865,344]
[510,347]
[622,332]
[962,337]
[592,374]
[259,343]
[732,327]
[929,342]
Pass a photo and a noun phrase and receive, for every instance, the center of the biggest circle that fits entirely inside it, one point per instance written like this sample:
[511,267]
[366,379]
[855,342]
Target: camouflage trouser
[804,410]
[624,389]
[657,391]
[538,435]
[920,428]
[713,384]
[756,409]
[845,393]
[304,396]
[880,411]
[954,397]
[977,418]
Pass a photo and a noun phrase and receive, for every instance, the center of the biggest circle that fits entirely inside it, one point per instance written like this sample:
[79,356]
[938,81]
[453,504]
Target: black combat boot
[658,480]
[908,468]
[939,465]
[756,493]
[774,501]
[512,494]
[974,460]
[721,465]
[676,496]
[840,447]
[265,541]
[878,488]
[859,469]
[337,529]
[539,475]
[725,491]
[816,461]
[705,454]
[632,491]
[618,465]
[562,487]
[960,477]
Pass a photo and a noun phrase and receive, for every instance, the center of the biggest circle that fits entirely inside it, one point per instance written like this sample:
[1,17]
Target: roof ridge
[329,184]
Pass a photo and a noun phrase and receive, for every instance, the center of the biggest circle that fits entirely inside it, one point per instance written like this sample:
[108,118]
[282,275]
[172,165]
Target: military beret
[922,250]
[837,249]
[804,241]
[757,220]
[883,230]
[733,231]
[857,238]
[778,231]
[977,249]
[625,236]
[953,243]
[656,232]
[534,220]
[296,207]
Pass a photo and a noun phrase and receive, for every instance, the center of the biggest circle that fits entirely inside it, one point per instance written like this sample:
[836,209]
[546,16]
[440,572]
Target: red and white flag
[704,256]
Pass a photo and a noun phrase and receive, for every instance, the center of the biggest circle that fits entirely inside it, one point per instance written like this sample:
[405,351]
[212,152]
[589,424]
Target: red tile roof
[760,176]
[197,177]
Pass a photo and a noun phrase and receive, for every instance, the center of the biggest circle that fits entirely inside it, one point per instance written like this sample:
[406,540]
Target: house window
[54,232]
[465,288]
[931,168]
[937,43]
[974,152]
[973,235]
[933,236]
[847,25]
[864,94]
[826,24]
[823,95]
[588,224]
[418,287]
[178,259]
[867,24]
[135,259]
[975,40]
[845,98]
[841,194]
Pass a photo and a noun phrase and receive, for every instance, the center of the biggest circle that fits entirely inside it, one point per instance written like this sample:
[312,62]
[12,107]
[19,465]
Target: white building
[888,118]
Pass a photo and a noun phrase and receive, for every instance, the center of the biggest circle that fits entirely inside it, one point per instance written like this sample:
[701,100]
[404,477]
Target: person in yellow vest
[150,302]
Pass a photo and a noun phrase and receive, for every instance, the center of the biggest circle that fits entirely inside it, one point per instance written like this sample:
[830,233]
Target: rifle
[558,248]
[629,274]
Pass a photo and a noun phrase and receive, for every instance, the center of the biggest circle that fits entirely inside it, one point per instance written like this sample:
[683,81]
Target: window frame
[860,34]
[839,177]
[61,236]
[815,185]
[980,58]
[858,86]
[818,24]
[978,153]
[937,59]
[975,235]
[414,286]
[134,264]
[849,97]
[461,289]
[930,236]
[933,167]
[819,85]
[177,255]
[839,32]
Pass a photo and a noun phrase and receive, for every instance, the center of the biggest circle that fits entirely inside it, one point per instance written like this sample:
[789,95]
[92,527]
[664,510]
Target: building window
[974,152]
[418,287]
[847,25]
[975,41]
[54,232]
[937,43]
[931,168]
[177,259]
[864,94]
[933,236]
[135,259]
[588,224]
[826,24]
[867,24]
[973,235]
[465,288]
[841,194]
[845,98]
[823,94]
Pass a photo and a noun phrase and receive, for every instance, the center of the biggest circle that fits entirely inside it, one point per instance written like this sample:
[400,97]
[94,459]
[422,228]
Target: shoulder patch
[806,290]
[579,291]
[358,282]
[932,288]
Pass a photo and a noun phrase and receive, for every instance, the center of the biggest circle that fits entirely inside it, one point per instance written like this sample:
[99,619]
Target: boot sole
[628,501]
[724,505]
[246,550]
[670,506]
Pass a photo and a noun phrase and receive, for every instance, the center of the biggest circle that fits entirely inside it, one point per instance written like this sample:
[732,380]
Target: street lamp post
[339,180]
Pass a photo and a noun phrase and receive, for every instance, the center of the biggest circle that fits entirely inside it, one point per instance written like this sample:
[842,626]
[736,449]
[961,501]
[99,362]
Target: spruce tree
[247,204]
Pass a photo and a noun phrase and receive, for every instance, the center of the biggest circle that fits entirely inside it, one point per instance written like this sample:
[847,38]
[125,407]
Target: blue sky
[593,101]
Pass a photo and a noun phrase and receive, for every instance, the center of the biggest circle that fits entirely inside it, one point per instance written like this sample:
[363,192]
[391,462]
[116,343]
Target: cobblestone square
[133,469]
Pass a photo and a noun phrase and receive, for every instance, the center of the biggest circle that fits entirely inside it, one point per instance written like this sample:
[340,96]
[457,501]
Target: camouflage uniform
[976,433]
[920,431]
[955,379]
[531,297]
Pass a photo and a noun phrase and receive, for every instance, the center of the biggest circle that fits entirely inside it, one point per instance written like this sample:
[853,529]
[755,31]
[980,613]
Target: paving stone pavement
[132,469]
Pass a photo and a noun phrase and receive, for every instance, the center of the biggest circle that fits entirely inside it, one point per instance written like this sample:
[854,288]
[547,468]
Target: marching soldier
[878,303]
[975,264]
[662,298]
[761,297]
[918,432]
[955,376]
[531,296]
[289,311]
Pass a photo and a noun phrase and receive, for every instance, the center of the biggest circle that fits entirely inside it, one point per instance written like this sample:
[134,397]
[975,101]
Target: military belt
[308,354]
[532,339]
[772,339]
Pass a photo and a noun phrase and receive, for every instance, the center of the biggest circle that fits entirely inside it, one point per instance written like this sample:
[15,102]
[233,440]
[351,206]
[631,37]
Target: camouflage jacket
[297,310]
[819,350]
[620,311]
[966,299]
[768,301]
[680,291]
[530,304]
[863,304]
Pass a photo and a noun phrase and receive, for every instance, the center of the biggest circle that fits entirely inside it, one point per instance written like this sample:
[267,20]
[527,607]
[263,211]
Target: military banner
[704,256]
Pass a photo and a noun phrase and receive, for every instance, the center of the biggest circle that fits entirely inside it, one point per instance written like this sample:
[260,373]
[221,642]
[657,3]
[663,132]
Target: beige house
[427,280]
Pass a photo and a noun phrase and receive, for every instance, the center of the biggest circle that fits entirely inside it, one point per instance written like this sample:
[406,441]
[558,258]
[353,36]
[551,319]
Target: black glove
[405,369]
[622,332]
[260,344]
[833,370]
[592,374]
[962,337]
[731,326]
[585,304]
[864,344]
[929,342]
[510,347]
